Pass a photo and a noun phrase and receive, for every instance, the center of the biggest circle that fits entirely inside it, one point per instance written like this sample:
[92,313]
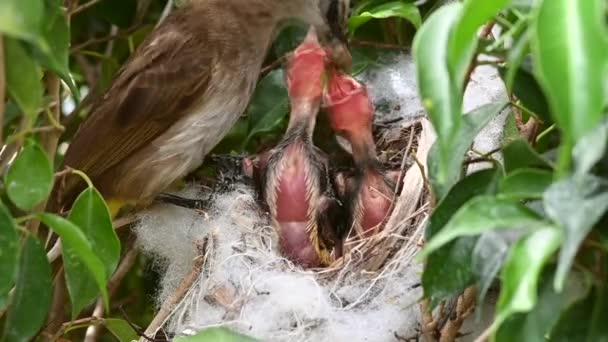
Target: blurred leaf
[216,335]
[364,58]
[77,250]
[463,42]
[488,257]
[91,215]
[269,105]
[32,298]
[569,49]
[448,271]
[288,39]
[581,313]
[537,324]
[117,12]
[528,91]
[9,253]
[21,18]
[56,33]
[120,329]
[519,154]
[393,9]
[23,77]
[516,54]
[481,214]
[591,148]
[30,177]
[576,204]
[522,270]
[525,184]
[451,167]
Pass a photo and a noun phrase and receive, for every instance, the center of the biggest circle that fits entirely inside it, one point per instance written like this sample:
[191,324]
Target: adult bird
[180,93]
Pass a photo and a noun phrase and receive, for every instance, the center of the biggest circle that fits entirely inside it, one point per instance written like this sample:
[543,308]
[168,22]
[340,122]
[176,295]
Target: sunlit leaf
[481,214]
[91,215]
[23,77]
[32,299]
[9,252]
[269,105]
[393,9]
[576,204]
[569,48]
[525,184]
[216,335]
[21,18]
[120,329]
[77,249]
[30,178]
[522,270]
[448,271]
[519,154]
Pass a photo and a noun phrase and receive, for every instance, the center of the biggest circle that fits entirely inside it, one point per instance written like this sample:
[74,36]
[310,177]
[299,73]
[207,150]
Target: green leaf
[569,49]
[56,33]
[216,335]
[576,204]
[448,271]
[77,250]
[21,18]
[30,177]
[528,91]
[463,42]
[450,165]
[438,92]
[91,215]
[590,149]
[23,77]
[32,297]
[393,9]
[269,105]
[488,257]
[519,154]
[537,324]
[479,215]
[522,270]
[121,329]
[525,184]
[9,253]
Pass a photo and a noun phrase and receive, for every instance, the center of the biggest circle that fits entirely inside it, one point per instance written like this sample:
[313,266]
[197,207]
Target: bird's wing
[165,77]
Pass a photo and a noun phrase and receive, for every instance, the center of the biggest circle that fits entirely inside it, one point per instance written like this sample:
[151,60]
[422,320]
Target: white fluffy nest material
[227,258]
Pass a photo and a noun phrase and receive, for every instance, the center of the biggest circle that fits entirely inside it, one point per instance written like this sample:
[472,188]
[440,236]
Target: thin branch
[2,89]
[83,7]
[121,34]
[485,32]
[378,45]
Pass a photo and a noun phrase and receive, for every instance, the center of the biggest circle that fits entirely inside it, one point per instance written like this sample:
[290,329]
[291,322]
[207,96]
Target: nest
[222,267]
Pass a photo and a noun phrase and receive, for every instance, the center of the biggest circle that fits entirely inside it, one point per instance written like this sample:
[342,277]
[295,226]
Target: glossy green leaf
[23,77]
[77,250]
[121,329]
[91,215]
[56,32]
[569,49]
[522,269]
[576,204]
[448,271]
[9,253]
[463,42]
[393,9]
[32,299]
[438,92]
[525,184]
[481,214]
[216,335]
[519,154]
[590,149]
[450,166]
[536,325]
[488,256]
[21,18]
[269,105]
[30,177]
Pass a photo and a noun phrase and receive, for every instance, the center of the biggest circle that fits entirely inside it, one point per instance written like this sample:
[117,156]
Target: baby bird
[368,195]
[294,177]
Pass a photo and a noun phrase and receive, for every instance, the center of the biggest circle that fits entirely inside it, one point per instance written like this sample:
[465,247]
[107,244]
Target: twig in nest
[465,306]
[179,294]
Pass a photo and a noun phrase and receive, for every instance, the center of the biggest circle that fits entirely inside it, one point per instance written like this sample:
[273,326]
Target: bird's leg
[188,203]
